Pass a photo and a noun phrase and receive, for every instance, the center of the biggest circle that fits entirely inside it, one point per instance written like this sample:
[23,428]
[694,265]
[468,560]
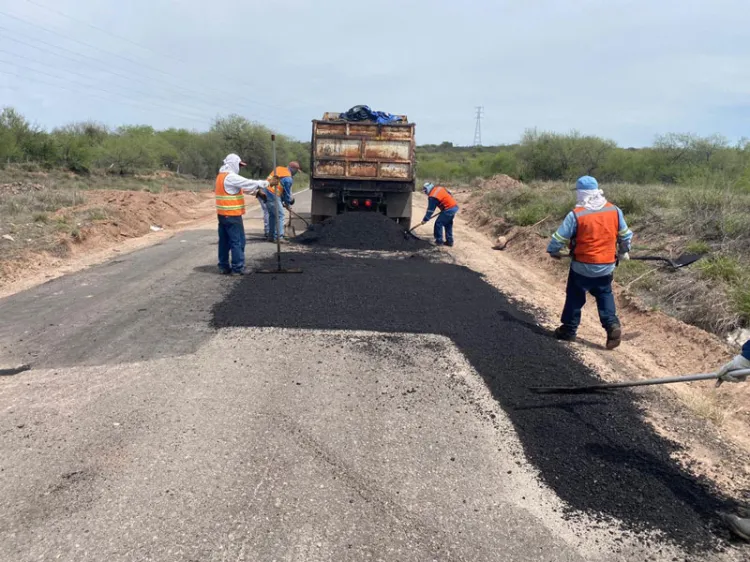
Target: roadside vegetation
[684,194]
[47,178]
[83,148]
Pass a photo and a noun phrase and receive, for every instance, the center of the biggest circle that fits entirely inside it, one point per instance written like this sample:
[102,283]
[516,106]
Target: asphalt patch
[597,453]
[361,231]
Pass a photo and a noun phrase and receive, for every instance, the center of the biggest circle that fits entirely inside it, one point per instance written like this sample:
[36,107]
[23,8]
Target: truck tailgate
[363,151]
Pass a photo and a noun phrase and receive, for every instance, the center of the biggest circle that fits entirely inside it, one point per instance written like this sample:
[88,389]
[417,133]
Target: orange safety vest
[281,172]
[228,205]
[596,235]
[445,199]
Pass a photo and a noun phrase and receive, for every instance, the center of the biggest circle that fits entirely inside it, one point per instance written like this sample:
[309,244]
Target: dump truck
[362,166]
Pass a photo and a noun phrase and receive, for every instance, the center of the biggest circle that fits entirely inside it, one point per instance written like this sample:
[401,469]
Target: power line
[131,61]
[130,41]
[88,92]
[53,85]
[75,73]
[478,126]
[106,67]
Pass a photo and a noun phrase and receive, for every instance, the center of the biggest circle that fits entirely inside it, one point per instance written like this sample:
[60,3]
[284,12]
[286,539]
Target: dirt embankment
[51,243]
[713,425]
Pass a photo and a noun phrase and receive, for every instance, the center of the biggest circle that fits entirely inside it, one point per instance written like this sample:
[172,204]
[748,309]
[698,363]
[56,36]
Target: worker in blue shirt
[440,198]
[740,526]
[597,235]
[279,195]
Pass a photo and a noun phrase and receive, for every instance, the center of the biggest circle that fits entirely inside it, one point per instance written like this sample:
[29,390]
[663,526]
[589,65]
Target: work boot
[563,334]
[614,336]
[225,271]
[738,525]
[449,244]
[439,243]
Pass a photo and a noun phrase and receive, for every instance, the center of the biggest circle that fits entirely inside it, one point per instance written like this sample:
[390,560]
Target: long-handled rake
[279,226]
[627,384]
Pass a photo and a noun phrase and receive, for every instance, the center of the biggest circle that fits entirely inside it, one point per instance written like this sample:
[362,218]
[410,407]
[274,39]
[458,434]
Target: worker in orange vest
[230,192]
[440,197]
[279,196]
[738,524]
[597,235]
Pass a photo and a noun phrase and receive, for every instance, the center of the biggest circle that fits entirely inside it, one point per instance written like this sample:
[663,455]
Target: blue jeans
[575,297]
[275,216]
[231,239]
[445,222]
[264,208]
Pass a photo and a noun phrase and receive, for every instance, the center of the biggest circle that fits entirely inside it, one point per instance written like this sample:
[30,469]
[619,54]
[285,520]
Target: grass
[713,294]
[708,407]
[698,247]
[721,268]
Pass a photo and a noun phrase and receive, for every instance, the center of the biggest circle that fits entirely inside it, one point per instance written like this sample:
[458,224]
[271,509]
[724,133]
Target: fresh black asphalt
[596,452]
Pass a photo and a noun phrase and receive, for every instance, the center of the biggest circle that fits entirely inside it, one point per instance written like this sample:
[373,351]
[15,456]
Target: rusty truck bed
[362,151]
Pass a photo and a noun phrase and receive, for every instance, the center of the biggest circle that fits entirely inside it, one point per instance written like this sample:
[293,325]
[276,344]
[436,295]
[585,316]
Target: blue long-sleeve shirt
[746,350]
[286,195]
[432,204]
[561,239]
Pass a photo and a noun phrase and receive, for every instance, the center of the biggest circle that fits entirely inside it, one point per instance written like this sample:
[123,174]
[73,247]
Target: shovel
[299,217]
[627,384]
[410,232]
[680,261]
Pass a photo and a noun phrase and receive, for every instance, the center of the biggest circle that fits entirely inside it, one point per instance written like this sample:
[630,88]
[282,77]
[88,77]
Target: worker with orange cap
[279,195]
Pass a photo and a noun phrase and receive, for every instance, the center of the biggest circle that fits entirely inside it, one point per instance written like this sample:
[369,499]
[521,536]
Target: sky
[627,70]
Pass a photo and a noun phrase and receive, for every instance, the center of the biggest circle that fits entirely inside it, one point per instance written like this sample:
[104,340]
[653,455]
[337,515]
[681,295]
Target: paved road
[155,427]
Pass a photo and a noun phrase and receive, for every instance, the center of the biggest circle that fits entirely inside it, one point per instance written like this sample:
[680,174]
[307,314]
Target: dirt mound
[135,212]
[361,231]
[500,182]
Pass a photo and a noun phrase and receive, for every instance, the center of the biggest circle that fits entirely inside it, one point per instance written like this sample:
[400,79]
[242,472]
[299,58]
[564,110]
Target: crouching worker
[442,198]
[230,208]
[597,234]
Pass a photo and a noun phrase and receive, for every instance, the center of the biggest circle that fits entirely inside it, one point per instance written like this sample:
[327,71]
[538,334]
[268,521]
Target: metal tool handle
[420,224]
[279,223]
[627,384]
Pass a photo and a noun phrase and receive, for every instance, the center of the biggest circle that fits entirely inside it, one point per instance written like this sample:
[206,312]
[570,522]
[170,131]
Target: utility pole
[478,128]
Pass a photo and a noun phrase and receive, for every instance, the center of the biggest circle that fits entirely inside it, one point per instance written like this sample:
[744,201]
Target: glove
[291,201]
[260,194]
[736,364]
[274,181]
[422,223]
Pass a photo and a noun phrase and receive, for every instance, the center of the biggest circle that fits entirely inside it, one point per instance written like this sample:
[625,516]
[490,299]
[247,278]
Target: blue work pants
[444,222]
[231,240]
[575,298]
